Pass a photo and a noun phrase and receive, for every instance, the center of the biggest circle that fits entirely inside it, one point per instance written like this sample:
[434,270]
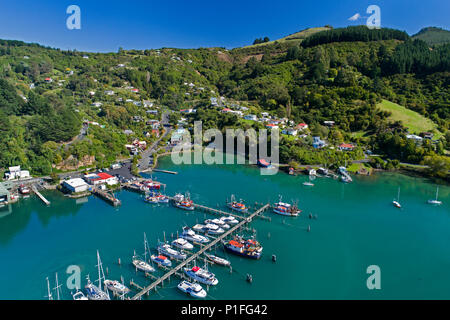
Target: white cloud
[355,17]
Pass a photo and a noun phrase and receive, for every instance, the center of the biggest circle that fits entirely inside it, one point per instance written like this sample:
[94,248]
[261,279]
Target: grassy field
[415,122]
[294,38]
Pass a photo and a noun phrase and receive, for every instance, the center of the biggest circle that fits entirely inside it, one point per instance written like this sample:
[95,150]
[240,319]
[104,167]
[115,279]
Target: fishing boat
[94,292]
[167,250]
[218,222]
[229,220]
[247,248]
[151,199]
[237,206]
[116,286]
[264,164]
[151,184]
[182,244]
[218,260]
[79,295]
[193,289]
[286,209]
[201,275]
[435,201]
[161,260]
[140,264]
[24,190]
[190,235]
[396,202]
[184,202]
[162,198]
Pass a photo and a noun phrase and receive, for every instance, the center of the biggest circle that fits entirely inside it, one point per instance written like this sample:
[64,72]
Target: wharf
[107,196]
[35,190]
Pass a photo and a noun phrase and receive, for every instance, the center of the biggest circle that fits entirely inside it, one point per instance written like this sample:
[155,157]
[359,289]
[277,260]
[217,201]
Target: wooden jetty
[177,270]
[107,196]
[35,190]
[220,212]
[165,171]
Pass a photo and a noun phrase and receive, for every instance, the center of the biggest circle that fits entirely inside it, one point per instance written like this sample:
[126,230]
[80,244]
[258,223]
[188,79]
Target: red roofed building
[101,178]
[302,126]
[346,147]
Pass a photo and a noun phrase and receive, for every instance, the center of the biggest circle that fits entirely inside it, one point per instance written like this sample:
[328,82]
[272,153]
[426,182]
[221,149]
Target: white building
[251,117]
[76,185]
[16,173]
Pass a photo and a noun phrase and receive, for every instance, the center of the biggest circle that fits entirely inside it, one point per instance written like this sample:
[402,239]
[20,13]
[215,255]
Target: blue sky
[108,25]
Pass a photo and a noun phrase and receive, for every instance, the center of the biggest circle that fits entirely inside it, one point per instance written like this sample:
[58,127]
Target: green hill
[415,122]
[433,35]
[294,38]
[46,94]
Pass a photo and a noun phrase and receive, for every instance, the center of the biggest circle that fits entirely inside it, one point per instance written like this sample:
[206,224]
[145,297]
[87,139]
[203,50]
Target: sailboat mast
[145,247]
[57,287]
[437,193]
[49,294]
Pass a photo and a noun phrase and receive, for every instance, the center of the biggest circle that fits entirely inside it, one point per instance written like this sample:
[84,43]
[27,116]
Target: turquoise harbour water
[356,227]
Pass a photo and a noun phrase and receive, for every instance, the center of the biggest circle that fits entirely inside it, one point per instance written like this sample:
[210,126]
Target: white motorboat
[166,249]
[193,289]
[182,243]
[190,235]
[229,220]
[199,227]
[79,295]
[116,286]
[213,229]
[201,275]
[161,260]
[218,222]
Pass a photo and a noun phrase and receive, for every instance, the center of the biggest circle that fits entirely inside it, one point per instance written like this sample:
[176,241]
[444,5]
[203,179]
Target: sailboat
[309,183]
[49,293]
[435,201]
[94,292]
[143,265]
[396,203]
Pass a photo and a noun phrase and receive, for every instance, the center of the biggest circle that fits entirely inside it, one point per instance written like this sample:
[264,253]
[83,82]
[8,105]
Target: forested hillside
[336,74]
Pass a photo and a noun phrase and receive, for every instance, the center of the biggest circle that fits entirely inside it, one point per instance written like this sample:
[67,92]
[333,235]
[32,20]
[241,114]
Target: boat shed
[5,195]
[76,185]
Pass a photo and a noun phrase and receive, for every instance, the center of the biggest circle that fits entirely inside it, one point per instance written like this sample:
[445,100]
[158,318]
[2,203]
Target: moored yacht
[229,220]
[167,250]
[218,222]
[190,235]
[201,275]
[95,293]
[193,289]
[116,286]
[182,243]
[218,260]
[161,260]
[79,295]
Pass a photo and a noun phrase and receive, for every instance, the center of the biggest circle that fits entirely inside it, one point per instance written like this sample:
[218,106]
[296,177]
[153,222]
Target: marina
[328,241]
[200,252]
